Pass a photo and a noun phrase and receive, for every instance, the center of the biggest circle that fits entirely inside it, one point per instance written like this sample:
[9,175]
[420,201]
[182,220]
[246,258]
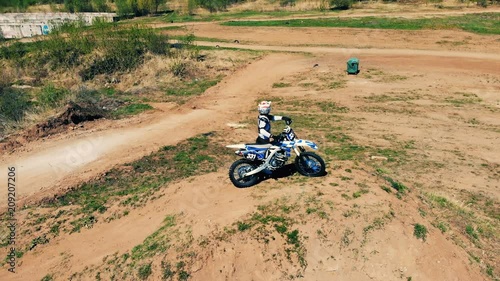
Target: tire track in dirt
[355,51]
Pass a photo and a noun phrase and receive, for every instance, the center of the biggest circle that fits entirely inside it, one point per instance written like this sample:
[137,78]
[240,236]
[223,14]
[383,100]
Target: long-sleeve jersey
[264,125]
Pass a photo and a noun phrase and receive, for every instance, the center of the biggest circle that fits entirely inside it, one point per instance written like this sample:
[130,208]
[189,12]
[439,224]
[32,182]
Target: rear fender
[237,146]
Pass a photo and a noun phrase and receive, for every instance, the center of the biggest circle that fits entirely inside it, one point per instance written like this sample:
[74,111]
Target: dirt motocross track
[444,99]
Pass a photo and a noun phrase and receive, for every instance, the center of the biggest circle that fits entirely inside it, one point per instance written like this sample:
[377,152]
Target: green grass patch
[275,217]
[220,16]
[469,229]
[144,271]
[461,99]
[442,226]
[48,277]
[484,23]
[157,242]
[281,85]
[52,96]
[420,231]
[331,107]
[399,187]
[346,152]
[192,88]
[337,84]
[386,189]
[14,103]
[392,96]
[242,226]
[360,192]
[132,109]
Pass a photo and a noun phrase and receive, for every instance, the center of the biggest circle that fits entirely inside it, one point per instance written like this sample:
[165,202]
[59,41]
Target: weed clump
[420,231]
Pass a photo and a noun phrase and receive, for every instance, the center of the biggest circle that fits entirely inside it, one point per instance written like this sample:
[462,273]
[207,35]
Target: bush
[124,51]
[179,67]
[51,96]
[420,231]
[145,271]
[14,52]
[341,4]
[63,52]
[13,104]
[105,49]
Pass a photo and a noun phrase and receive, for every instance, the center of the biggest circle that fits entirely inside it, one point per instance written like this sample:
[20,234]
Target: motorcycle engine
[278,160]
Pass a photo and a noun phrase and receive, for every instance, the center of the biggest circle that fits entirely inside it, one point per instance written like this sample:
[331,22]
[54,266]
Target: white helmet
[264,107]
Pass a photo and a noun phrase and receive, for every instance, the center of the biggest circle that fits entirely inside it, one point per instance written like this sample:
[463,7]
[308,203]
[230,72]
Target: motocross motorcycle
[263,159]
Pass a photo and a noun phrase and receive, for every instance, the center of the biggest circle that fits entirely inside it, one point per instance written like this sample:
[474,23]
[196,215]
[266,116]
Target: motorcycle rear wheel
[238,169]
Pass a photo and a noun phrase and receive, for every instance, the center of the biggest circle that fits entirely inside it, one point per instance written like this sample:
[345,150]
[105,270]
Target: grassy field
[175,17]
[486,23]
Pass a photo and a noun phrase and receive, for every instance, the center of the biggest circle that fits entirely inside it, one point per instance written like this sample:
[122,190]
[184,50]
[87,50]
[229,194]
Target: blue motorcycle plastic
[263,159]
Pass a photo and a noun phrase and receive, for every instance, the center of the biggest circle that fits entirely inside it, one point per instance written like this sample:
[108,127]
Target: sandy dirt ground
[441,98]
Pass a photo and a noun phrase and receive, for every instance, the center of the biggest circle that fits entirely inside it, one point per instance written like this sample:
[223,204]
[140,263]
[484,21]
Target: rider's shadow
[282,172]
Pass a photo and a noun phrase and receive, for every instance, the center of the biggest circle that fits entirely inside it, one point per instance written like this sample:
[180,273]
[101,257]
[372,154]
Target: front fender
[306,143]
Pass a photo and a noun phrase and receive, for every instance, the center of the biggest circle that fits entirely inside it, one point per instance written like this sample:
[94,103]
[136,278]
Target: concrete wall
[18,25]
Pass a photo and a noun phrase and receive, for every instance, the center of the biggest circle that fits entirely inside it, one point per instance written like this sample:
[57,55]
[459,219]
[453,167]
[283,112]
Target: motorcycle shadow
[283,172]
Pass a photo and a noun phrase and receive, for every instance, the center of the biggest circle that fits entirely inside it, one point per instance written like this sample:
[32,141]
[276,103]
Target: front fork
[298,150]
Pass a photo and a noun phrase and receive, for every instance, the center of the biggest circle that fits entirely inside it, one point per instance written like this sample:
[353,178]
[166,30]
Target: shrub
[124,51]
[104,50]
[145,271]
[14,52]
[341,4]
[13,104]
[179,67]
[420,231]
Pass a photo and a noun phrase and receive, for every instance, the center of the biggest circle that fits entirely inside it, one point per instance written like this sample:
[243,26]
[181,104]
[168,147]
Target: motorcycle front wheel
[310,164]
[238,169]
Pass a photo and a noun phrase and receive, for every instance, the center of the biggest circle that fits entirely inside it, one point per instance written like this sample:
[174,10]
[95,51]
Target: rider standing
[264,122]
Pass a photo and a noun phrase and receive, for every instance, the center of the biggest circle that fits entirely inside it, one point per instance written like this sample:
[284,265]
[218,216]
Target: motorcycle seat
[262,146]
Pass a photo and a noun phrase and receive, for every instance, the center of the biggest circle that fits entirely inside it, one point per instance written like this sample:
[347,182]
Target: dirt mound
[73,114]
